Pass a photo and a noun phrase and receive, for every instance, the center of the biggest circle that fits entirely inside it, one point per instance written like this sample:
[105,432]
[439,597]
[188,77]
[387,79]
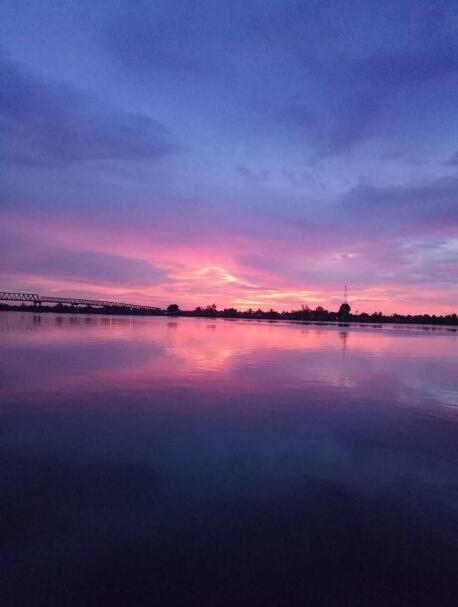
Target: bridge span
[38,300]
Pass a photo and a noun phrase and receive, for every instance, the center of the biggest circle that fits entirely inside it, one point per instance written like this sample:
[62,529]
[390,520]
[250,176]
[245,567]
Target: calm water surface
[191,462]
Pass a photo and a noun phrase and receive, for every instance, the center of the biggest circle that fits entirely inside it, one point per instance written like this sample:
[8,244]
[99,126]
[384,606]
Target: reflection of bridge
[37,300]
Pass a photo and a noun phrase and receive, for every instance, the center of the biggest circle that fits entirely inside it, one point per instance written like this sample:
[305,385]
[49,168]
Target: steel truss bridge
[38,300]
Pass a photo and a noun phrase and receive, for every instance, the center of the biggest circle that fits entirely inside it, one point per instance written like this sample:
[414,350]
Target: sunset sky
[243,153]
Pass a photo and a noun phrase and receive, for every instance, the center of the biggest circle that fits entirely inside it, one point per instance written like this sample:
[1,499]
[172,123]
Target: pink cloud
[222,267]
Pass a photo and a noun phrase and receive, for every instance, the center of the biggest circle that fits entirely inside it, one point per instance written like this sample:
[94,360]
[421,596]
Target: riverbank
[303,316]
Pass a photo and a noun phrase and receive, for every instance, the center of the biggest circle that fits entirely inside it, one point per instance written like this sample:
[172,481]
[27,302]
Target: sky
[251,153]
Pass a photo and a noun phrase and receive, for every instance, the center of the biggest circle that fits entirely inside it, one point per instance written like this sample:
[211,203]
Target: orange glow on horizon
[202,275]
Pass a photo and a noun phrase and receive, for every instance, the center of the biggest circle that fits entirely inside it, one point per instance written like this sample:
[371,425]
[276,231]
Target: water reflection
[61,354]
[188,462]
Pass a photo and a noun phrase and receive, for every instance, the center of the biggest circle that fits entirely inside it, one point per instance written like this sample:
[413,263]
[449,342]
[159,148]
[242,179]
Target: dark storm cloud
[149,36]
[358,91]
[250,175]
[31,257]
[453,160]
[410,209]
[318,69]
[45,122]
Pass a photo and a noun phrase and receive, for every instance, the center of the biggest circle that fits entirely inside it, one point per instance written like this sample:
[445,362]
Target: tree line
[305,313]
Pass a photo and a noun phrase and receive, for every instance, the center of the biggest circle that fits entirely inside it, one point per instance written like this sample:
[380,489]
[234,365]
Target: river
[199,462]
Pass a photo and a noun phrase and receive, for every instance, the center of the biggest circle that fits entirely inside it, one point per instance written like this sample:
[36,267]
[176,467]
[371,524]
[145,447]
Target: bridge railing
[39,299]
[6,296]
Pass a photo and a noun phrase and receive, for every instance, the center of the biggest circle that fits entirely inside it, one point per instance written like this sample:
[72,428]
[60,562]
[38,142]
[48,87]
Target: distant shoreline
[304,316]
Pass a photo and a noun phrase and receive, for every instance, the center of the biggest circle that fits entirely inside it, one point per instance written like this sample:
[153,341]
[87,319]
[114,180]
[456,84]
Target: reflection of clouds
[348,382]
[429,389]
[89,355]
[203,359]
[268,409]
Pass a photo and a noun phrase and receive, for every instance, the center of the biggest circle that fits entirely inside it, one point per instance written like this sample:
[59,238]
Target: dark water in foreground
[193,462]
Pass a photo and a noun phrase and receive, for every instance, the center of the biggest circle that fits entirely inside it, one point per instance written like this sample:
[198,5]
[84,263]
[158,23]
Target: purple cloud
[46,122]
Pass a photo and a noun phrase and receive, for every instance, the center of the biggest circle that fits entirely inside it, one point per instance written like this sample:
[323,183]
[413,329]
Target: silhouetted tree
[305,312]
[344,310]
[272,314]
[230,313]
[211,310]
[173,310]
